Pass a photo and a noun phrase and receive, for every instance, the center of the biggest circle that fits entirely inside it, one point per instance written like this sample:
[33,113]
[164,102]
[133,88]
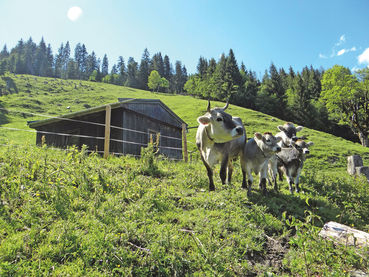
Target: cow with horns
[219,138]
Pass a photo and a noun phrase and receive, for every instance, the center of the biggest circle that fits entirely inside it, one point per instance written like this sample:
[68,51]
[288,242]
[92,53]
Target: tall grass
[74,213]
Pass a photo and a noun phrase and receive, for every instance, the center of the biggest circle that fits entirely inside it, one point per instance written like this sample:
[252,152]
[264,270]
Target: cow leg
[249,181]
[280,174]
[210,174]
[297,180]
[262,185]
[290,183]
[262,179]
[273,174]
[223,169]
[244,169]
[230,172]
[244,186]
[249,187]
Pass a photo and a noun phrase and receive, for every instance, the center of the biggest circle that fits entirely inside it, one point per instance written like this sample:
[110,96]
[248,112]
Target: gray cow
[291,161]
[288,134]
[255,157]
[219,138]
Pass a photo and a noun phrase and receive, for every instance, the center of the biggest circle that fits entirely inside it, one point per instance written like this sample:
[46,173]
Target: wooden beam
[107,131]
[185,152]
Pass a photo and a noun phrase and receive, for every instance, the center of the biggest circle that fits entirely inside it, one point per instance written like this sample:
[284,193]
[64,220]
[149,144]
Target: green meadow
[71,213]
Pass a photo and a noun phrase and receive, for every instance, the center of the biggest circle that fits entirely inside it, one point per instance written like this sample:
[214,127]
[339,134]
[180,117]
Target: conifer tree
[168,71]
[143,72]
[132,71]
[105,66]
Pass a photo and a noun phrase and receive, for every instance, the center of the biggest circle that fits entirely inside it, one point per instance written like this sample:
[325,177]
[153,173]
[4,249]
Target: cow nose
[278,149]
[307,152]
[239,130]
[294,138]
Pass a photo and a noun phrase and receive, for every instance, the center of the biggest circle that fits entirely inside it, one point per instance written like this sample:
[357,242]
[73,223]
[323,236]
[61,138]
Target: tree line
[39,59]
[309,98]
[334,101]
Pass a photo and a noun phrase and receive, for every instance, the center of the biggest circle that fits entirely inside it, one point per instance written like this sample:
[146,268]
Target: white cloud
[343,51]
[364,57]
[341,41]
[322,56]
[74,13]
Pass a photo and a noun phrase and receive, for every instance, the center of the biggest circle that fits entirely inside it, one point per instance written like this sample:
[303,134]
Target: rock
[353,162]
[362,170]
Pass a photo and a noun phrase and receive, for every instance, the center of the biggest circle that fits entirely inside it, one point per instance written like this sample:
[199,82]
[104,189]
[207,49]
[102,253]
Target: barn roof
[136,105]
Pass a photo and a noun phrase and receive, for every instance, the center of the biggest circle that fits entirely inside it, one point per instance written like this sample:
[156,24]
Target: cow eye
[219,119]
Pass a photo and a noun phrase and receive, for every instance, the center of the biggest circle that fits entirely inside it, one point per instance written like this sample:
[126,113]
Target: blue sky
[286,32]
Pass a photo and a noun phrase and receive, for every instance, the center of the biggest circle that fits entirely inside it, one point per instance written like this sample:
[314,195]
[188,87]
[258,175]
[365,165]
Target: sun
[74,13]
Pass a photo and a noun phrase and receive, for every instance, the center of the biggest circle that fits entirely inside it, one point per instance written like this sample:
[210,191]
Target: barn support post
[185,152]
[107,131]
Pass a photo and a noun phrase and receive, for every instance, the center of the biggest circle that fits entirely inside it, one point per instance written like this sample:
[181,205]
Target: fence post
[107,131]
[185,152]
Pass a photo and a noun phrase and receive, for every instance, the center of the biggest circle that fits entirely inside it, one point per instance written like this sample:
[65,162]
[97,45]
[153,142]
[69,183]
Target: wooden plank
[185,152]
[343,234]
[107,131]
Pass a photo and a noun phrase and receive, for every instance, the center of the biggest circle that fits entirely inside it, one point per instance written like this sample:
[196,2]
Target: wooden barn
[132,122]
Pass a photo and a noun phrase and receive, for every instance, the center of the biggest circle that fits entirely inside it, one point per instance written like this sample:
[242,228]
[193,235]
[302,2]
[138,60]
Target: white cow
[219,138]
[255,157]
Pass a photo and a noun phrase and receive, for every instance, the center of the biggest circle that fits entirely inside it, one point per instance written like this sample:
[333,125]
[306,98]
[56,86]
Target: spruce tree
[143,72]
[105,66]
[132,71]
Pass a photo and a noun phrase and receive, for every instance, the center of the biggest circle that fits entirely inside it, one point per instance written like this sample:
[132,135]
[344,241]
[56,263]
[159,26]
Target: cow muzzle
[239,130]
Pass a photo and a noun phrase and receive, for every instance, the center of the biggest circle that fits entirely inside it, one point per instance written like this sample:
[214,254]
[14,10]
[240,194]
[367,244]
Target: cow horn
[208,109]
[226,106]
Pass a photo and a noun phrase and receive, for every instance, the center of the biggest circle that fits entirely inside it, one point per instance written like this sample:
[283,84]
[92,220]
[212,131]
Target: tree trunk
[363,139]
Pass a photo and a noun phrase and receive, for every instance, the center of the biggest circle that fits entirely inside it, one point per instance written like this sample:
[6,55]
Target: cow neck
[207,134]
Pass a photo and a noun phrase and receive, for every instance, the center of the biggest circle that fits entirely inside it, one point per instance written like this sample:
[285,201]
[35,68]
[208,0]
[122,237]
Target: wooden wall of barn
[124,119]
[146,126]
[84,129]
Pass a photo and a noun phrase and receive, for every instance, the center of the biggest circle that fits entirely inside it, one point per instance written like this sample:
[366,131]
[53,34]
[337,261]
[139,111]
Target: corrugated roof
[122,101]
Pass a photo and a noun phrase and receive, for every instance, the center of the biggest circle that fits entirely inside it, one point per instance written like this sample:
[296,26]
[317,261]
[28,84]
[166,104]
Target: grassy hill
[67,212]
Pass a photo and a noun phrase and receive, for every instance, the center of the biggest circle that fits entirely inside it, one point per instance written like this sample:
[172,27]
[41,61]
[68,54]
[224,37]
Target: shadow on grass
[295,205]
[3,115]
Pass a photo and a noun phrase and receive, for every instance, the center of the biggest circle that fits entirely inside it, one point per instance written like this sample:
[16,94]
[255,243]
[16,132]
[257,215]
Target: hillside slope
[67,212]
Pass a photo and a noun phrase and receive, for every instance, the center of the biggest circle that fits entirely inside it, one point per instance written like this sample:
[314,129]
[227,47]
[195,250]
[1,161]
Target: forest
[308,98]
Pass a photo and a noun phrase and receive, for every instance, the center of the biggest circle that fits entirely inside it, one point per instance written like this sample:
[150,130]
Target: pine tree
[29,57]
[143,73]
[49,61]
[105,66]
[202,68]
[59,62]
[40,61]
[4,54]
[65,60]
[91,65]
[168,71]
[157,64]
[132,70]
[122,71]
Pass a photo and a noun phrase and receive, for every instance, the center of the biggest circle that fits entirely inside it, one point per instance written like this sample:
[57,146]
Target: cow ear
[299,128]
[258,136]
[310,143]
[278,139]
[280,128]
[204,120]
